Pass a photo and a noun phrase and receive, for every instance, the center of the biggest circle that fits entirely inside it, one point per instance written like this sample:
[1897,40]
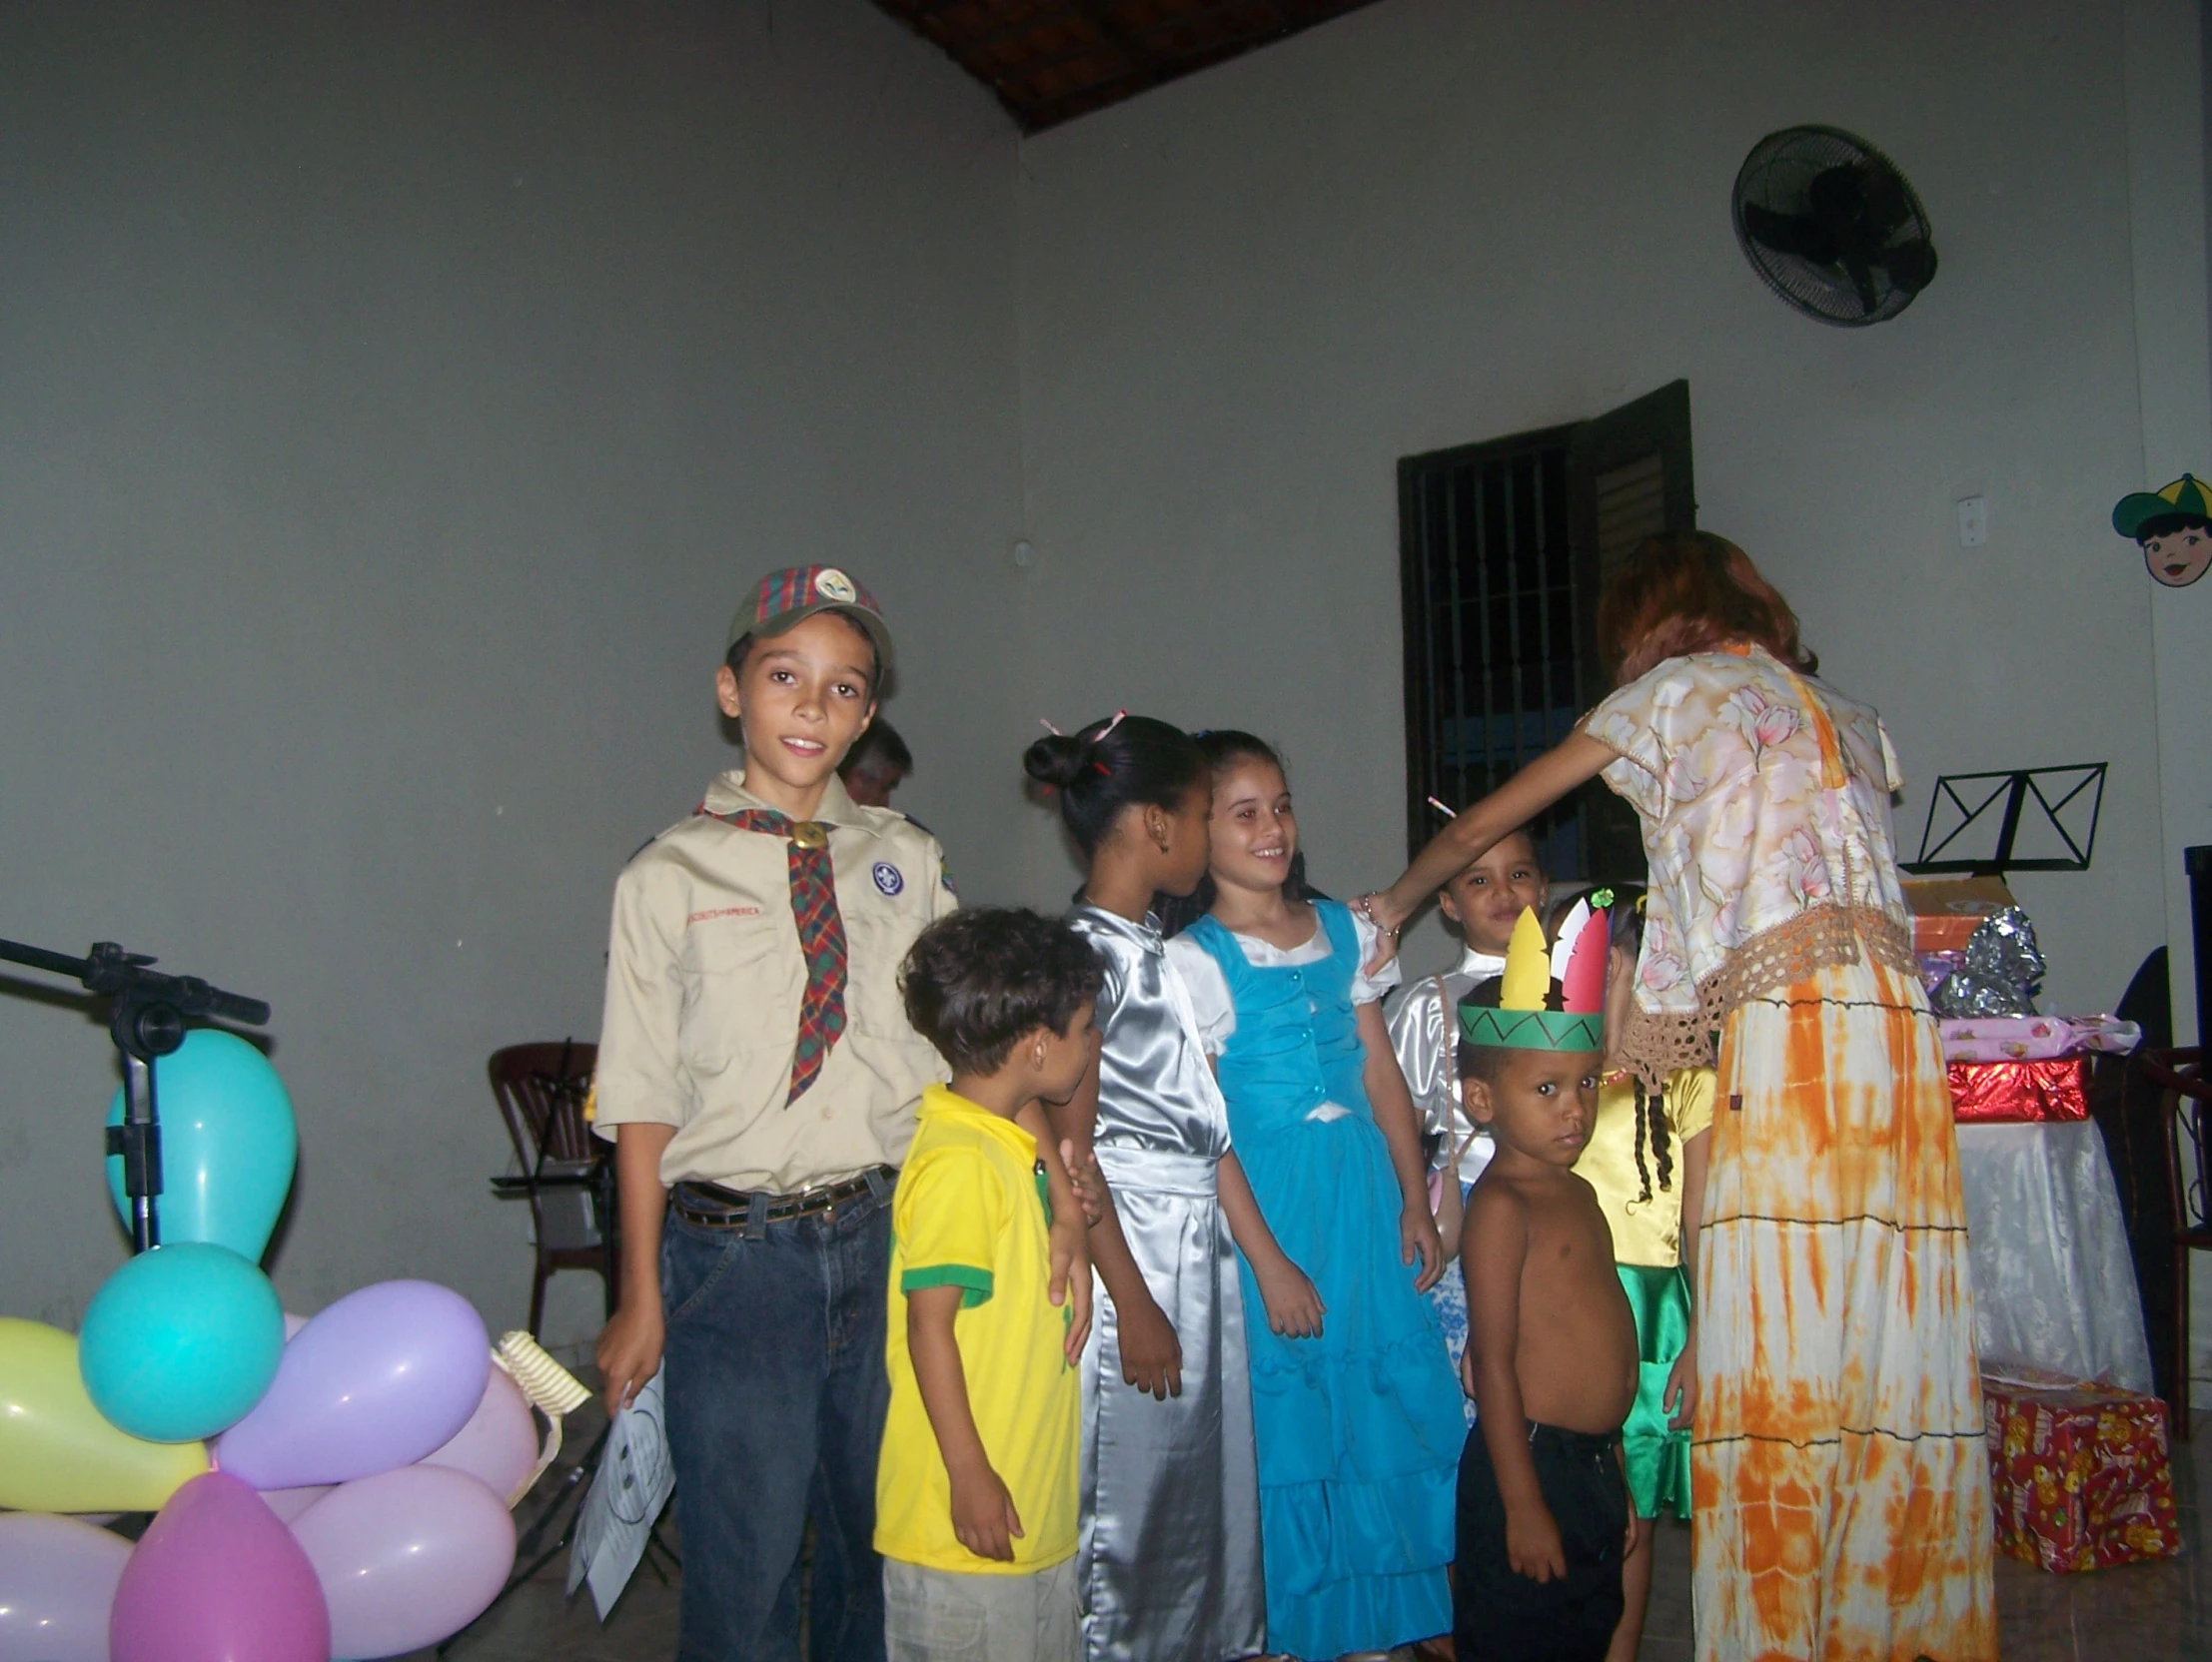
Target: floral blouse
[1764,797]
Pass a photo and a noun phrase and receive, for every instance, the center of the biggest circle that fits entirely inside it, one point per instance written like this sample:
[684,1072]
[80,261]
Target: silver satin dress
[1168,1560]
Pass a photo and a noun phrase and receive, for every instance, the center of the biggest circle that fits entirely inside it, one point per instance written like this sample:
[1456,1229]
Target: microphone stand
[147,1021]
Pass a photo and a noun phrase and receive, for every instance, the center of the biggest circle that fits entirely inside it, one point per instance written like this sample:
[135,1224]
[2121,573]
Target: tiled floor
[2137,1613]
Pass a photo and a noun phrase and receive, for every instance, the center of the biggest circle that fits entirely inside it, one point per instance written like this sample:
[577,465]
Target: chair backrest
[2180,1074]
[540,1089]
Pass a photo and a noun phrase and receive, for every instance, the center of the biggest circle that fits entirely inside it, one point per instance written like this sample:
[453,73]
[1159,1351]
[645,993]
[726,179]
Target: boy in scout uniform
[759,1078]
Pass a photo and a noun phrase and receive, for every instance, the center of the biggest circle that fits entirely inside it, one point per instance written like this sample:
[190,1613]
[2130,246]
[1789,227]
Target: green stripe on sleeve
[975,1285]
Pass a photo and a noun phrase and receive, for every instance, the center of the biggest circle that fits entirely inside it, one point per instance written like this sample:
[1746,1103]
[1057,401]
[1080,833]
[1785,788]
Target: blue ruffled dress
[1359,1431]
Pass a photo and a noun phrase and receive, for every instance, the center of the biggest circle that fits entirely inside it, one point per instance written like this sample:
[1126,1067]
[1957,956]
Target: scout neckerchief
[821,933]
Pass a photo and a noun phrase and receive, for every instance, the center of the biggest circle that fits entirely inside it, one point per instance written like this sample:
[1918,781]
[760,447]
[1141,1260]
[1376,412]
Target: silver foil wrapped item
[2002,974]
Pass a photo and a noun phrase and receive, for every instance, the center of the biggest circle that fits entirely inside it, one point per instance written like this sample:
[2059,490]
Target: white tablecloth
[2055,1286]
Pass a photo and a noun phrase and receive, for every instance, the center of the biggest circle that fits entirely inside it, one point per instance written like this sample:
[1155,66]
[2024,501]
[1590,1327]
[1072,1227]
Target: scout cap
[782,600]
[2188,496]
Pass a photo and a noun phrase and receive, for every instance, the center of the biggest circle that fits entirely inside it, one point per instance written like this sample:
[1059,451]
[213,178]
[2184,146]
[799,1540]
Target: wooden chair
[564,1173]
[2180,1074]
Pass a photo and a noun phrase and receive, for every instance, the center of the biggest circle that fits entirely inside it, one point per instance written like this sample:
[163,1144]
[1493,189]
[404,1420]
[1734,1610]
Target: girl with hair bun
[1167,1553]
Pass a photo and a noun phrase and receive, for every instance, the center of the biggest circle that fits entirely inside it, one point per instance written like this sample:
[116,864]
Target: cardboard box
[1947,910]
[2080,1474]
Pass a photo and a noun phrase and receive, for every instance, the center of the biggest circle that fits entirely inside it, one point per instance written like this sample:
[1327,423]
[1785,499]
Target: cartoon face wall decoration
[2174,526]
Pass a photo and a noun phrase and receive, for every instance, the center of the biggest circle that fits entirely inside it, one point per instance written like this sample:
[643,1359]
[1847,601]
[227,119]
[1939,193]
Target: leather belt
[712,1207]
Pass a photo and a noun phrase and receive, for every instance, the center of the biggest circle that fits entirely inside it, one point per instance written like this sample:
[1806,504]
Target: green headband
[1532,1029]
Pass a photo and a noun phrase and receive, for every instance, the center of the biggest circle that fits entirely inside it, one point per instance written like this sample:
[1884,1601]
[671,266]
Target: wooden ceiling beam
[999,54]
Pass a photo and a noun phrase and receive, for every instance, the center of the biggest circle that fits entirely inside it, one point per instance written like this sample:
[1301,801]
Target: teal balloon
[180,1342]
[228,1144]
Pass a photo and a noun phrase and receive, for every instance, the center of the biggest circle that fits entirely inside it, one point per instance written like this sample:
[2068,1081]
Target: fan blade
[1793,234]
[1911,264]
[1862,279]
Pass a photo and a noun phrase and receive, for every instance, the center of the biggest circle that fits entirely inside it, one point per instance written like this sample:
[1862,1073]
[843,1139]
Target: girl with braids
[1355,1412]
[1168,1543]
[1837,1457]
[1646,1160]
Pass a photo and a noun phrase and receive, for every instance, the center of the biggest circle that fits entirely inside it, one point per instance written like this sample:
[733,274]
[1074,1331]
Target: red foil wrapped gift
[2080,1474]
[1996,1092]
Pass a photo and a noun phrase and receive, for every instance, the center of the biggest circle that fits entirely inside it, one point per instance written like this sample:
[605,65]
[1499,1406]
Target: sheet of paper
[633,1484]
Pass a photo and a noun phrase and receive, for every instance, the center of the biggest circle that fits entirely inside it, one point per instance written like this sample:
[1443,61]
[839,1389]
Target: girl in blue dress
[1355,1414]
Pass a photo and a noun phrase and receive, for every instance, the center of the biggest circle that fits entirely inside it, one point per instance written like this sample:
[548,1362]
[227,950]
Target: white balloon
[57,1585]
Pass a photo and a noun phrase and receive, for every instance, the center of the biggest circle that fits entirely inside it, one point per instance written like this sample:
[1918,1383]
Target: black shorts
[1499,1616]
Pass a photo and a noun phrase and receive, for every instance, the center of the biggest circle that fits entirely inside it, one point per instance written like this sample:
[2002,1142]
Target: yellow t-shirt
[970,1212]
[1648,1233]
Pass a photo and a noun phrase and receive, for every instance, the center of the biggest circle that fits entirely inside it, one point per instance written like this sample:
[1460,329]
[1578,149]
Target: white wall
[389,412]
[1246,295]
[394,402]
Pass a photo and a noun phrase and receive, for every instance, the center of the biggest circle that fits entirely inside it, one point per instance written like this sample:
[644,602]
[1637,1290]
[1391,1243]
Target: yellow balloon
[57,1454]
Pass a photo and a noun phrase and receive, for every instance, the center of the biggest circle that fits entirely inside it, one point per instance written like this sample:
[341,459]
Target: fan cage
[1778,174]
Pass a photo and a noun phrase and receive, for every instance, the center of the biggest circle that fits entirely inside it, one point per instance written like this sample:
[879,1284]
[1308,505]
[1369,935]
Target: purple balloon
[407,1557]
[216,1578]
[375,1381]
[498,1445]
[57,1586]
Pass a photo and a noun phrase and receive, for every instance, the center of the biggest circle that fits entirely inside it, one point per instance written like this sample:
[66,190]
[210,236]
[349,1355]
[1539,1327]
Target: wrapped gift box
[2080,1474]
[1947,910]
[1992,1093]
[2034,1038]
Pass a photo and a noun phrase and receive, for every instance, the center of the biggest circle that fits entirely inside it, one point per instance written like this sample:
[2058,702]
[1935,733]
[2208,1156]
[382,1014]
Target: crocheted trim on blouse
[1655,1042]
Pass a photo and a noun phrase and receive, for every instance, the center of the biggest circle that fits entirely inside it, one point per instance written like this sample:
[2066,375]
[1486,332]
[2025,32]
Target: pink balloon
[407,1557]
[498,1445]
[216,1578]
[290,1504]
[376,1381]
[57,1586]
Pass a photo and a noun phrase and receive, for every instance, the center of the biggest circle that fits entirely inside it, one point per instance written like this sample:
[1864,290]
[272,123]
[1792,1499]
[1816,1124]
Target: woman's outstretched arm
[1573,761]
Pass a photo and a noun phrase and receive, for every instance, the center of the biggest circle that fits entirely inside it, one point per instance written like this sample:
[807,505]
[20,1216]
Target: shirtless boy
[1544,1514]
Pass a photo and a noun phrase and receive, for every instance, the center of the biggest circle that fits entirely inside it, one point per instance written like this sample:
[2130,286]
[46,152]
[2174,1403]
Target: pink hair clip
[1100,736]
[1048,728]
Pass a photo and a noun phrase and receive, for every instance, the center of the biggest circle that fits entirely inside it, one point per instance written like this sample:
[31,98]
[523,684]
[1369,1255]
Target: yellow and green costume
[1634,1161]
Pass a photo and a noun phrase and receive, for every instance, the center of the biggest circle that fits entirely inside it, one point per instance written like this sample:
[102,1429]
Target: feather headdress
[1576,963]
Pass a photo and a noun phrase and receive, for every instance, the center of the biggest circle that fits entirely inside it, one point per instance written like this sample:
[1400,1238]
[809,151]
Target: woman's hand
[1151,1354]
[1293,1307]
[1417,1237]
[1681,1384]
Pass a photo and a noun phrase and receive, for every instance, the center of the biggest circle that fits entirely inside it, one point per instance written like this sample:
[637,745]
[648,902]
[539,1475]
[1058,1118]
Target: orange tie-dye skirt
[1840,1478]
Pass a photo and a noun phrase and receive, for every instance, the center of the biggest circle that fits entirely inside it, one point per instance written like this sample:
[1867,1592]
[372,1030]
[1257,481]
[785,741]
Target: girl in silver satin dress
[1168,1559]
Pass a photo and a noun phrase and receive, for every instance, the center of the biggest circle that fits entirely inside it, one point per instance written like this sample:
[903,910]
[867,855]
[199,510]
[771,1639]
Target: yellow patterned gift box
[2080,1472]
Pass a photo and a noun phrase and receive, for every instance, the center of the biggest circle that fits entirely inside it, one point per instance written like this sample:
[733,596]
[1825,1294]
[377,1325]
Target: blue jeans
[776,1395]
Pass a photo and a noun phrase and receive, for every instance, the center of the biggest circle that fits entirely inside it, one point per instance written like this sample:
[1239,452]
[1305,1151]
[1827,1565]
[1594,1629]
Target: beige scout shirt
[703,981]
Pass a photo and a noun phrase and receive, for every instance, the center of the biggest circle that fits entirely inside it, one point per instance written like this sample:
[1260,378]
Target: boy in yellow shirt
[976,1485]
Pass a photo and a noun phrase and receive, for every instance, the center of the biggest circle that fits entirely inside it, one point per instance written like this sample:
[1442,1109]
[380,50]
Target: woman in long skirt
[1838,1474]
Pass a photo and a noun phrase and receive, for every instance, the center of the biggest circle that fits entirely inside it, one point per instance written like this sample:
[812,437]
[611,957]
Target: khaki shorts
[946,1616]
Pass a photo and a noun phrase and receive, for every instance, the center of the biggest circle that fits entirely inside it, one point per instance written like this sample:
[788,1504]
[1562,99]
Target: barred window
[1503,548]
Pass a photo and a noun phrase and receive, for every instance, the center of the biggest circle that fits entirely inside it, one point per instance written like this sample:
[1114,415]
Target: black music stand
[1986,811]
